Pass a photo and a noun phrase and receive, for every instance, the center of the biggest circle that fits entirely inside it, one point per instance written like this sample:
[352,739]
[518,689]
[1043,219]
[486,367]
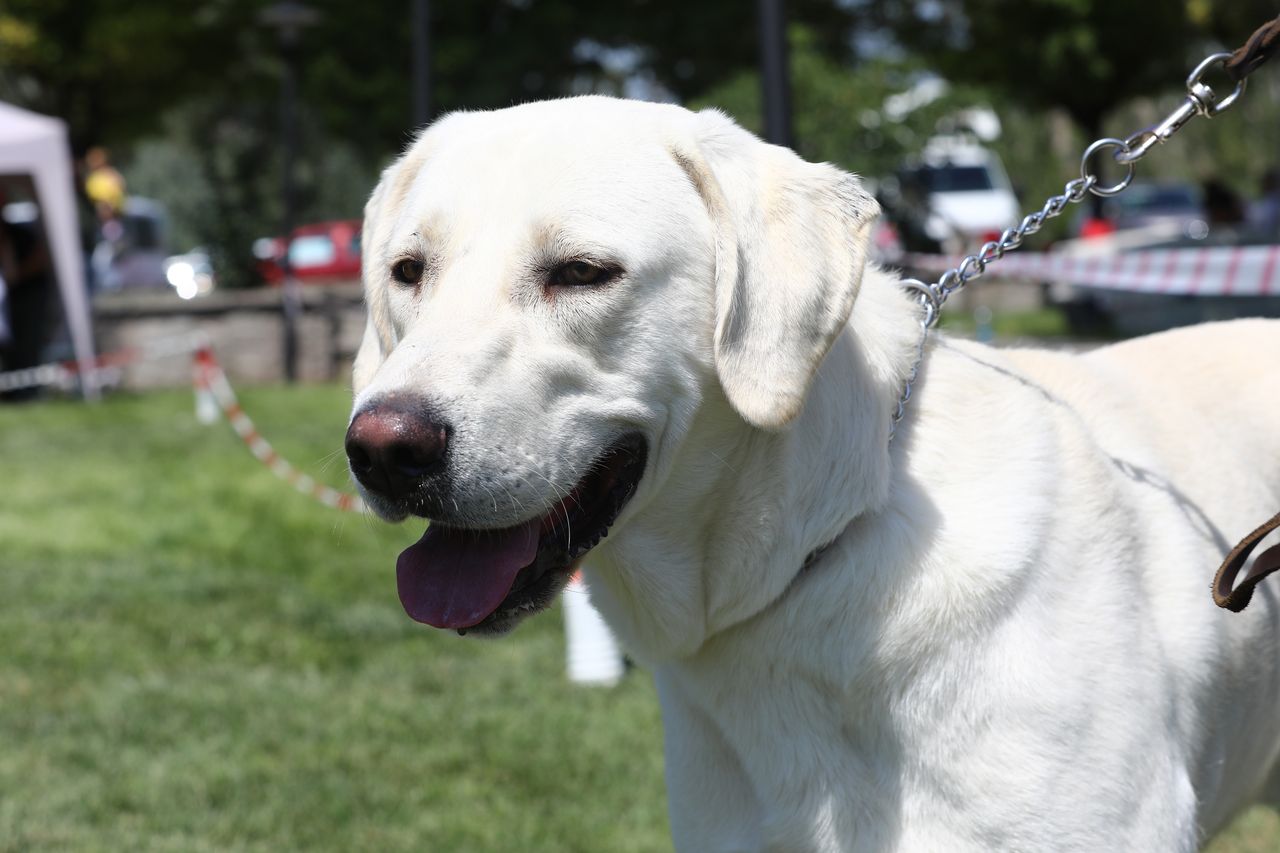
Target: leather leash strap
[1261,46]
[1268,561]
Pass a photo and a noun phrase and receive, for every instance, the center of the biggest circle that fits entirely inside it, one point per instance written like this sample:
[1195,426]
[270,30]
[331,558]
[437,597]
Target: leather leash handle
[1237,598]
[1261,46]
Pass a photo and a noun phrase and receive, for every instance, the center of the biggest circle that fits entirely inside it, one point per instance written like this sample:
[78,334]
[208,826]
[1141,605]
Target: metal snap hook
[1121,147]
[1211,105]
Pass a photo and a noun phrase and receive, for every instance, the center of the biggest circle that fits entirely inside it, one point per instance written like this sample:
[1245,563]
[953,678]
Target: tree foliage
[1085,56]
[501,52]
[839,109]
[111,69]
[199,83]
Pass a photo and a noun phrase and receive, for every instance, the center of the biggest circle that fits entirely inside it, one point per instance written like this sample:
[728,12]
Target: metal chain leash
[1200,100]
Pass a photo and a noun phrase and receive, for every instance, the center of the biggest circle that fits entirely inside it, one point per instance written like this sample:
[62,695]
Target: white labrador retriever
[995,632]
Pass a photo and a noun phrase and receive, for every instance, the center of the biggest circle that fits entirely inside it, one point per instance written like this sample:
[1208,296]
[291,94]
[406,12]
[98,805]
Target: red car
[322,253]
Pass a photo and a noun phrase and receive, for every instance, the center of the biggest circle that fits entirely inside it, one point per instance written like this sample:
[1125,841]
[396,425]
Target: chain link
[1200,100]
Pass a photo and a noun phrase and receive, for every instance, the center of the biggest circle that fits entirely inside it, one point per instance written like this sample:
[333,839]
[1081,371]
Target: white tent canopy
[36,145]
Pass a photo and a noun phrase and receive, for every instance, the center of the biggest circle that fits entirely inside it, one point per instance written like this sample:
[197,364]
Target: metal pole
[288,18]
[775,74]
[421,62]
[291,301]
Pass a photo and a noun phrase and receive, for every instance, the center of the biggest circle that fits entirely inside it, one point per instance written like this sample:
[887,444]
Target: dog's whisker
[327,461]
[515,501]
[560,495]
[493,499]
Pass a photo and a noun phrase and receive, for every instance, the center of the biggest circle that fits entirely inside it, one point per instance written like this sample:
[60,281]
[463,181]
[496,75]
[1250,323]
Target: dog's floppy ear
[791,245]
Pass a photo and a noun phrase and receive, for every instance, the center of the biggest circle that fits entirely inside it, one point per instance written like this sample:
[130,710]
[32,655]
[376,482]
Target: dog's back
[1192,418]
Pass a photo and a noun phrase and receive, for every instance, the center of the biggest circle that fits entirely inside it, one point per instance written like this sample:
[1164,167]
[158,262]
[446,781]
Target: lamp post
[421,62]
[289,19]
[775,74]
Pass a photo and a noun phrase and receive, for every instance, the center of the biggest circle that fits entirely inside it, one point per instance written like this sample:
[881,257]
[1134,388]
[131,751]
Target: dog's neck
[742,508]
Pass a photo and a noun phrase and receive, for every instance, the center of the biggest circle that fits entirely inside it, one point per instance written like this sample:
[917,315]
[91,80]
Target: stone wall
[245,327]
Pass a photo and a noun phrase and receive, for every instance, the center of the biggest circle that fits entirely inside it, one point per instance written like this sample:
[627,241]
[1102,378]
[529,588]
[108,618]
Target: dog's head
[554,291]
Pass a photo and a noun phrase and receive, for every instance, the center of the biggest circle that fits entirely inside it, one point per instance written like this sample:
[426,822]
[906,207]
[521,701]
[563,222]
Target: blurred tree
[842,117]
[1231,21]
[112,69]
[200,85]
[115,70]
[496,53]
[1236,148]
[218,174]
[840,111]
[1084,56]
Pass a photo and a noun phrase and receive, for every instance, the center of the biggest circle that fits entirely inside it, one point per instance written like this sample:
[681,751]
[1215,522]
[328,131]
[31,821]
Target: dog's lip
[459,578]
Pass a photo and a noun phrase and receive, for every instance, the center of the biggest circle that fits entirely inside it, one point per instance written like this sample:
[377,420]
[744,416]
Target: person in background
[1221,203]
[103,184]
[1264,214]
[105,187]
[6,269]
[28,279]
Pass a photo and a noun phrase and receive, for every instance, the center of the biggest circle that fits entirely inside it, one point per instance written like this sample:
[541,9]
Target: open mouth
[486,580]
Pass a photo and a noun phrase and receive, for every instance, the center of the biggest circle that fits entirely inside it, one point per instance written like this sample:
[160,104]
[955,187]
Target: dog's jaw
[487,579]
[741,508]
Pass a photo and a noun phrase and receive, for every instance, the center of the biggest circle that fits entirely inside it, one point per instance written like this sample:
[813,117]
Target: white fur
[1010,643]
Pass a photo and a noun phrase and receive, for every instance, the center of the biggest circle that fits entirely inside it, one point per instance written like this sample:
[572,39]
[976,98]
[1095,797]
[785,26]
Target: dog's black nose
[392,450]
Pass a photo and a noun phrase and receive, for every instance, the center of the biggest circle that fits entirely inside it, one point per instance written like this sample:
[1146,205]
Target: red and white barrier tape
[34,377]
[61,372]
[212,380]
[1216,271]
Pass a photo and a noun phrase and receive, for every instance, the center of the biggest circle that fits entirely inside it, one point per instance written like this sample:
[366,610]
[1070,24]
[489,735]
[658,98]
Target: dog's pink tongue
[455,578]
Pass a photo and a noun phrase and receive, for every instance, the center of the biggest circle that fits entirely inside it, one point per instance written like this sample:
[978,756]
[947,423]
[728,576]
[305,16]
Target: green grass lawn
[1048,322]
[194,657]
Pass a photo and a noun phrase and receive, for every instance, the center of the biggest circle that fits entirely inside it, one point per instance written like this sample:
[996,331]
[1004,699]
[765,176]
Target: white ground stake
[592,653]
[207,411]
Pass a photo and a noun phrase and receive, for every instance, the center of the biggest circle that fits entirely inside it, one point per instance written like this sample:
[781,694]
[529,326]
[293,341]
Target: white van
[967,194]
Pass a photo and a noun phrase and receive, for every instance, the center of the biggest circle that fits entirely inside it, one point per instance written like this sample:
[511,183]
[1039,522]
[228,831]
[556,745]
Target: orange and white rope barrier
[214,395]
[211,384]
[62,372]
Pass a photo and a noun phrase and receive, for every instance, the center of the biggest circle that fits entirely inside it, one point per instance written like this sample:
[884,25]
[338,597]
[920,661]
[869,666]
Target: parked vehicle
[190,275]
[1170,210]
[964,190]
[131,251]
[319,253]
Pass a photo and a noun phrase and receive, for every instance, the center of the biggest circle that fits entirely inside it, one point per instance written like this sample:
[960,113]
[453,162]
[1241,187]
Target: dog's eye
[407,270]
[581,274]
